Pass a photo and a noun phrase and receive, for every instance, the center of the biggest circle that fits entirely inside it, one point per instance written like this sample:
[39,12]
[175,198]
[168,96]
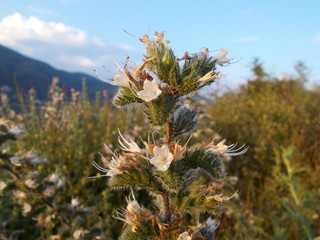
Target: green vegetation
[278,178]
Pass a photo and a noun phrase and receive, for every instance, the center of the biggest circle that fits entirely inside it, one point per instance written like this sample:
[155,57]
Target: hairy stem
[165,194]
[167,206]
[169,132]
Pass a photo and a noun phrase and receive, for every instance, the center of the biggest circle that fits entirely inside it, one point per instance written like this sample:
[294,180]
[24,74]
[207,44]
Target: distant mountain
[31,73]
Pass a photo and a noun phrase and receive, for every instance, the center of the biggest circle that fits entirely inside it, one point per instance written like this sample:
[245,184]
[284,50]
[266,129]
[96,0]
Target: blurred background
[56,116]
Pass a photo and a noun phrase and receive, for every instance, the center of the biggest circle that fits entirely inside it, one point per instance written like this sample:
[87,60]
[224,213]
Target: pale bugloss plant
[35,203]
[182,181]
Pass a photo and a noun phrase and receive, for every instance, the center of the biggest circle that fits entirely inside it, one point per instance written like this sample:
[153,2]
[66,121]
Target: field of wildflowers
[47,151]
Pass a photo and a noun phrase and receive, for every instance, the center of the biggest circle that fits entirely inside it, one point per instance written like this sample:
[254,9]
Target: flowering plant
[181,179]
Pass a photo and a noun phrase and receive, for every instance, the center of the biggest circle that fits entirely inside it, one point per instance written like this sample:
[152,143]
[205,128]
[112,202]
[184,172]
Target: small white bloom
[26,208]
[120,79]
[133,205]
[36,160]
[80,233]
[16,131]
[221,147]
[54,178]
[208,77]
[221,57]
[230,150]
[75,202]
[113,169]
[31,183]
[162,157]
[15,160]
[212,224]
[3,185]
[150,91]
[112,165]
[61,183]
[57,179]
[48,192]
[128,145]
[54,237]
[184,236]
[129,215]
[19,194]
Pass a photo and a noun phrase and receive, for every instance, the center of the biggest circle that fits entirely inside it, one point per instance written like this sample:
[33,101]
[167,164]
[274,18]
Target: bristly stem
[167,207]
[169,132]
[165,194]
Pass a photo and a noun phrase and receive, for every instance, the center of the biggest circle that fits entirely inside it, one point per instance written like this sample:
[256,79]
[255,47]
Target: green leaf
[207,160]
[170,179]
[125,96]
[141,178]
[185,120]
[193,194]
[193,70]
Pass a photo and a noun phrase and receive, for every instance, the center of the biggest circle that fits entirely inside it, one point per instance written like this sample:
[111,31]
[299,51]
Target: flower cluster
[118,164]
[132,80]
[181,179]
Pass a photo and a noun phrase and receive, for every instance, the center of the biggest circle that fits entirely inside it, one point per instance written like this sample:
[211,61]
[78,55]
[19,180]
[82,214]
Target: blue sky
[82,35]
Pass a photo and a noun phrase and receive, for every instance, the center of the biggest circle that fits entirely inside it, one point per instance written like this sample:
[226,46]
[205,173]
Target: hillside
[33,73]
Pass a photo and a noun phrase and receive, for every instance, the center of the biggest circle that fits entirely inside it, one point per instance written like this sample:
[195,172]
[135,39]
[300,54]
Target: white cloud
[65,47]
[15,28]
[79,60]
[246,39]
[317,38]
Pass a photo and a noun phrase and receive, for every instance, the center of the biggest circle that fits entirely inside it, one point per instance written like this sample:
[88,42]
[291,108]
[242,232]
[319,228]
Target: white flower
[184,236]
[120,79]
[48,192]
[75,202]
[208,77]
[129,215]
[26,208]
[162,157]
[19,194]
[128,145]
[212,224]
[61,183]
[15,160]
[221,57]
[113,168]
[80,233]
[150,90]
[16,131]
[54,178]
[133,205]
[229,151]
[221,147]
[57,180]
[31,183]
[3,185]
[112,165]
[36,160]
